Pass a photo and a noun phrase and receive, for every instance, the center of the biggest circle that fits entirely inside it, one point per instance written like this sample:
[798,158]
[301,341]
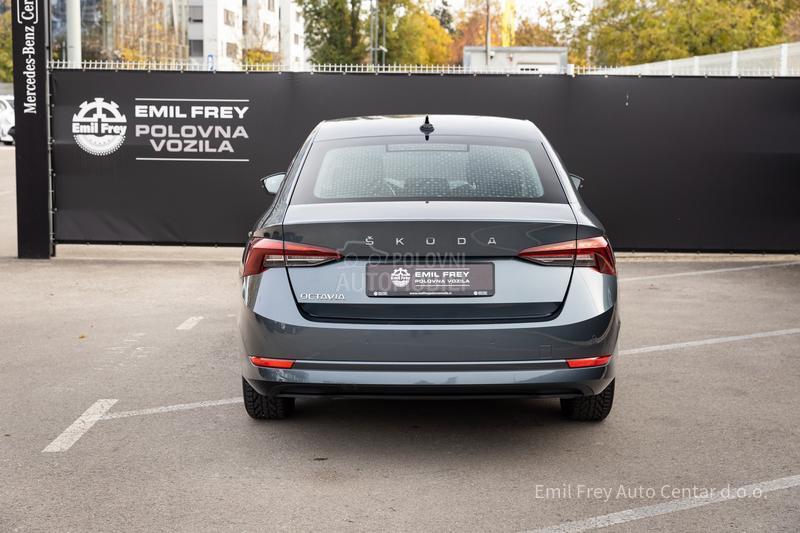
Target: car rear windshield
[442,168]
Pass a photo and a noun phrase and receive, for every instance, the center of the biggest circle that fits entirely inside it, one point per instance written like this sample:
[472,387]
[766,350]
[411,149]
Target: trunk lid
[460,256]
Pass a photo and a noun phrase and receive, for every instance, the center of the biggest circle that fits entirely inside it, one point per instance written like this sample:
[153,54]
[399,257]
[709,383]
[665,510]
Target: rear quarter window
[443,168]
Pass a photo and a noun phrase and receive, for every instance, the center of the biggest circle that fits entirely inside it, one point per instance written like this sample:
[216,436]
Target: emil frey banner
[176,158]
[173,159]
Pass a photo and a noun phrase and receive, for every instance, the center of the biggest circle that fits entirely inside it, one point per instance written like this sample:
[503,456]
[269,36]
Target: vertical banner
[29,20]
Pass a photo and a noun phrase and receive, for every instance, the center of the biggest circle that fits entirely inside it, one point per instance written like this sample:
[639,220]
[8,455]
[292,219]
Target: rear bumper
[523,379]
[429,360]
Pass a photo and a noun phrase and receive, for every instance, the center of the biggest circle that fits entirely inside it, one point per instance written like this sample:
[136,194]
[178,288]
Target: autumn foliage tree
[530,33]
[6,64]
[418,38]
[336,32]
[626,32]
[471,31]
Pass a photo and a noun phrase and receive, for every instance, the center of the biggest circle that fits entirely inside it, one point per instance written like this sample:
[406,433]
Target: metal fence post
[784,61]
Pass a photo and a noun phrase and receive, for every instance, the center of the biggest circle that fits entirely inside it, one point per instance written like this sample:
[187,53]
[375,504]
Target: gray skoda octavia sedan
[428,257]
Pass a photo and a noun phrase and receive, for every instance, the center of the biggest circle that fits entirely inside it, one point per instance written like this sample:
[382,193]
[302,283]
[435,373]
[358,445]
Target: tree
[444,16]
[131,55]
[257,56]
[6,64]
[333,30]
[418,39]
[792,27]
[565,24]
[254,44]
[626,32]
[471,31]
[508,22]
[531,33]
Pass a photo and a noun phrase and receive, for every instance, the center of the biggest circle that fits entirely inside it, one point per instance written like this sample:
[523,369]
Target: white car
[7,119]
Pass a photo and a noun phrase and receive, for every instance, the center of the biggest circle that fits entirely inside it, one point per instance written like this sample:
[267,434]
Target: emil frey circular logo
[400,277]
[98,126]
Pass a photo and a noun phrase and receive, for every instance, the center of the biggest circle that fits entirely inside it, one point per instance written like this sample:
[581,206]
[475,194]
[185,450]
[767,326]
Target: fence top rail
[184,66]
[662,69]
[683,70]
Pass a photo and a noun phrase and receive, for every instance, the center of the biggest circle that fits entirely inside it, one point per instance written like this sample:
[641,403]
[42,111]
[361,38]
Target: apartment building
[261,26]
[214,32]
[125,30]
[292,42]
[221,31]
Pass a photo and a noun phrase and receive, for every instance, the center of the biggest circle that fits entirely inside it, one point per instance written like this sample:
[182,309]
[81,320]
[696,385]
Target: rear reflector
[588,361]
[262,254]
[271,363]
[594,252]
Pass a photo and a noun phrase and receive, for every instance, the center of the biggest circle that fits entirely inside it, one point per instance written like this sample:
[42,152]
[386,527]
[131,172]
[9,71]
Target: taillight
[266,362]
[594,252]
[585,362]
[307,255]
[262,254]
[558,254]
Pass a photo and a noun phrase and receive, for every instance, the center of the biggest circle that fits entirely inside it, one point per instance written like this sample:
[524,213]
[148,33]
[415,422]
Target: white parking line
[99,410]
[645,349]
[755,490]
[715,340]
[190,322]
[3,193]
[711,271]
[83,424]
[171,408]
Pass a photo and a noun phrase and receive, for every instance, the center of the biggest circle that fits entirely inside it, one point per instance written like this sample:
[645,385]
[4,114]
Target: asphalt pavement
[120,387]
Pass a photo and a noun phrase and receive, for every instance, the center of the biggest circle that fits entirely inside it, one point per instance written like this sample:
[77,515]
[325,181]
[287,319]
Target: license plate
[474,279]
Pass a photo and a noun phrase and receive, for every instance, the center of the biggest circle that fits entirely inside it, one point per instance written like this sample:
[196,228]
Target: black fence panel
[669,163]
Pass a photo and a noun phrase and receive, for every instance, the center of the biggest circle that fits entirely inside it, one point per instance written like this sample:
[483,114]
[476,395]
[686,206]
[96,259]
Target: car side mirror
[577,181]
[273,182]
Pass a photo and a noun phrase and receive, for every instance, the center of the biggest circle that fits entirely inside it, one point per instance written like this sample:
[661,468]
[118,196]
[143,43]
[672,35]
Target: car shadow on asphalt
[425,428]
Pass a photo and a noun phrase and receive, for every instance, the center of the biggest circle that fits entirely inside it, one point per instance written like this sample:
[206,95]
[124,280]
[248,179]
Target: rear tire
[263,407]
[590,408]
